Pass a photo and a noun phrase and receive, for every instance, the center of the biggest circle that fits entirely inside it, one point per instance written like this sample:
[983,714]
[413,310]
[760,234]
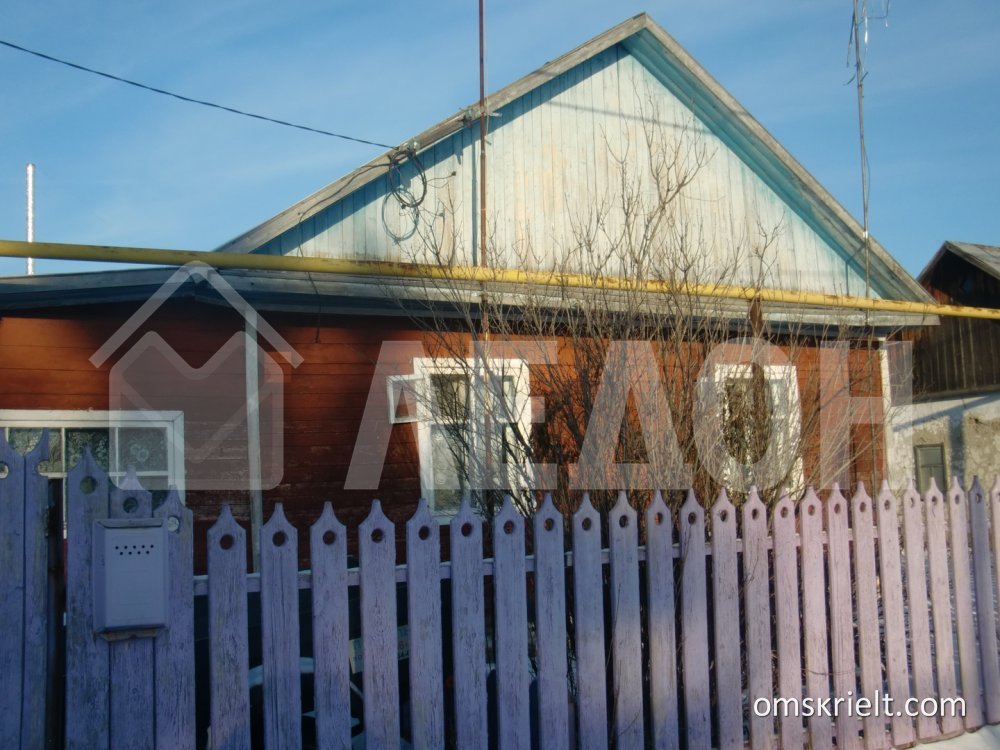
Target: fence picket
[626,626]
[841,614]
[866,607]
[279,626]
[891,590]
[173,650]
[330,631]
[662,617]
[937,559]
[511,607]
[968,651]
[131,660]
[379,640]
[86,655]
[588,620]
[757,604]
[227,633]
[694,625]
[986,616]
[814,614]
[468,627]
[786,607]
[726,602]
[550,623]
[36,583]
[423,597]
[918,606]
[12,605]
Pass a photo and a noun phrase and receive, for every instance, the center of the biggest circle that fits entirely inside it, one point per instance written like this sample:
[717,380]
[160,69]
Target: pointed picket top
[956,493]
[466,524]
[87,466]
[657,513]
[784,508]
[586,512]
[547,516]
[933,495]
[328,521]
[508,515]
[376,520]
[886,499]
[622,509]
[976,491]
[423,527]
[130,500]
[39,453]
[835,501]
[861,503]
[278,522]
[226,526]
[753,505]
[910,495]
[995,491]
[723,511]
[176,513]
[691,505]
[6,452]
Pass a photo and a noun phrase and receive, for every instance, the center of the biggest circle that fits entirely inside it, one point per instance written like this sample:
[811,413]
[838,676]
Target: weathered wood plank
[330,631]
[814,614]
[962,582]
[423,597]
[132,695]
[550,624]
[36,596]
[941,614]
[87,661]
[279,626]
[841,637]
[173,650]
[661,626]
[986,615]
[12,610]
[588,632]
[917,606]
[379,642]
[867,615]
[694,625]
[468,628]
[511,606]
[626,626]
[757,604]
[726,600]
[786,606]
[227,634]
[891,591]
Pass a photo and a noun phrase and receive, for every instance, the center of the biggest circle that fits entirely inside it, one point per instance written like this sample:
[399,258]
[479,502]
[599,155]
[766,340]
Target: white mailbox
[130,574]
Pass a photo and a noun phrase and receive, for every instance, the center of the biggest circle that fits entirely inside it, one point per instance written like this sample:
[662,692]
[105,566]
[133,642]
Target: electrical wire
[189,99]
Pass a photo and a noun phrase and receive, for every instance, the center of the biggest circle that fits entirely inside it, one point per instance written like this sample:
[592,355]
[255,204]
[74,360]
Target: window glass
[145,448]
[77,440]
[929,461]
[24,439]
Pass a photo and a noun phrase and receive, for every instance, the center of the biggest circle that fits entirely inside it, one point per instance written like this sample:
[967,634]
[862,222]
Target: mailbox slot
[130,574]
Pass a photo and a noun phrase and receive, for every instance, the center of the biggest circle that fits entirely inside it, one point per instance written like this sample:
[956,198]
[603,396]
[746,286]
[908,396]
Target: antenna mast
[30,173]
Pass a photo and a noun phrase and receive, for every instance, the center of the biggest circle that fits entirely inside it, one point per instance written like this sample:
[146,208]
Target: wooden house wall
[44,364]
[961,355]
[557,154]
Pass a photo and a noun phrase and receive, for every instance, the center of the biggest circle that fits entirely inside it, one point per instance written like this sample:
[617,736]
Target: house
[952,428]
[621,160]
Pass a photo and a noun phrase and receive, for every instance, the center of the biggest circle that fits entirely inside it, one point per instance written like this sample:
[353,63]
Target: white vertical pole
[31,213]
[253,435]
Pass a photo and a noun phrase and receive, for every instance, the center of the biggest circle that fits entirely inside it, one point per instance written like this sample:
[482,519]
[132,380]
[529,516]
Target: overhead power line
[189,99]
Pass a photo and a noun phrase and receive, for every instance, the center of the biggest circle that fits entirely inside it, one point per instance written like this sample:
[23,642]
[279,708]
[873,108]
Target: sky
[120,166]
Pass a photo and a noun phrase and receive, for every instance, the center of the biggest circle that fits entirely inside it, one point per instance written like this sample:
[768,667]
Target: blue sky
[120,166]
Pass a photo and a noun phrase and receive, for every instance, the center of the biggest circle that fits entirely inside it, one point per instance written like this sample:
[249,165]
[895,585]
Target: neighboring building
[629,102]
[953,427]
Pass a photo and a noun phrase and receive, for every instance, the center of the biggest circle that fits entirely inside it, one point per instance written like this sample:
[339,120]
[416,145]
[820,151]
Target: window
[473,419]
[929,462]
[760,408]
[149,442]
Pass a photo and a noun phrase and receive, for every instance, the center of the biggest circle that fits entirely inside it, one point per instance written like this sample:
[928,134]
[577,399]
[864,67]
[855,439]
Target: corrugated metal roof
[984,257]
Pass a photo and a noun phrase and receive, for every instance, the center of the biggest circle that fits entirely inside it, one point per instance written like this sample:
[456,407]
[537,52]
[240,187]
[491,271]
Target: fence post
[814,614]
[550,619]
[694,624]
[12,609]
[662,613]
[786,606]
[756,584]
[588,628]
[841,639]
[726,616]
[985,606]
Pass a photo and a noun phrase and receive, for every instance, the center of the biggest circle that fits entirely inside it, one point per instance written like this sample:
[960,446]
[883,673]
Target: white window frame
[423,369]
[172,421]
[777,377]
